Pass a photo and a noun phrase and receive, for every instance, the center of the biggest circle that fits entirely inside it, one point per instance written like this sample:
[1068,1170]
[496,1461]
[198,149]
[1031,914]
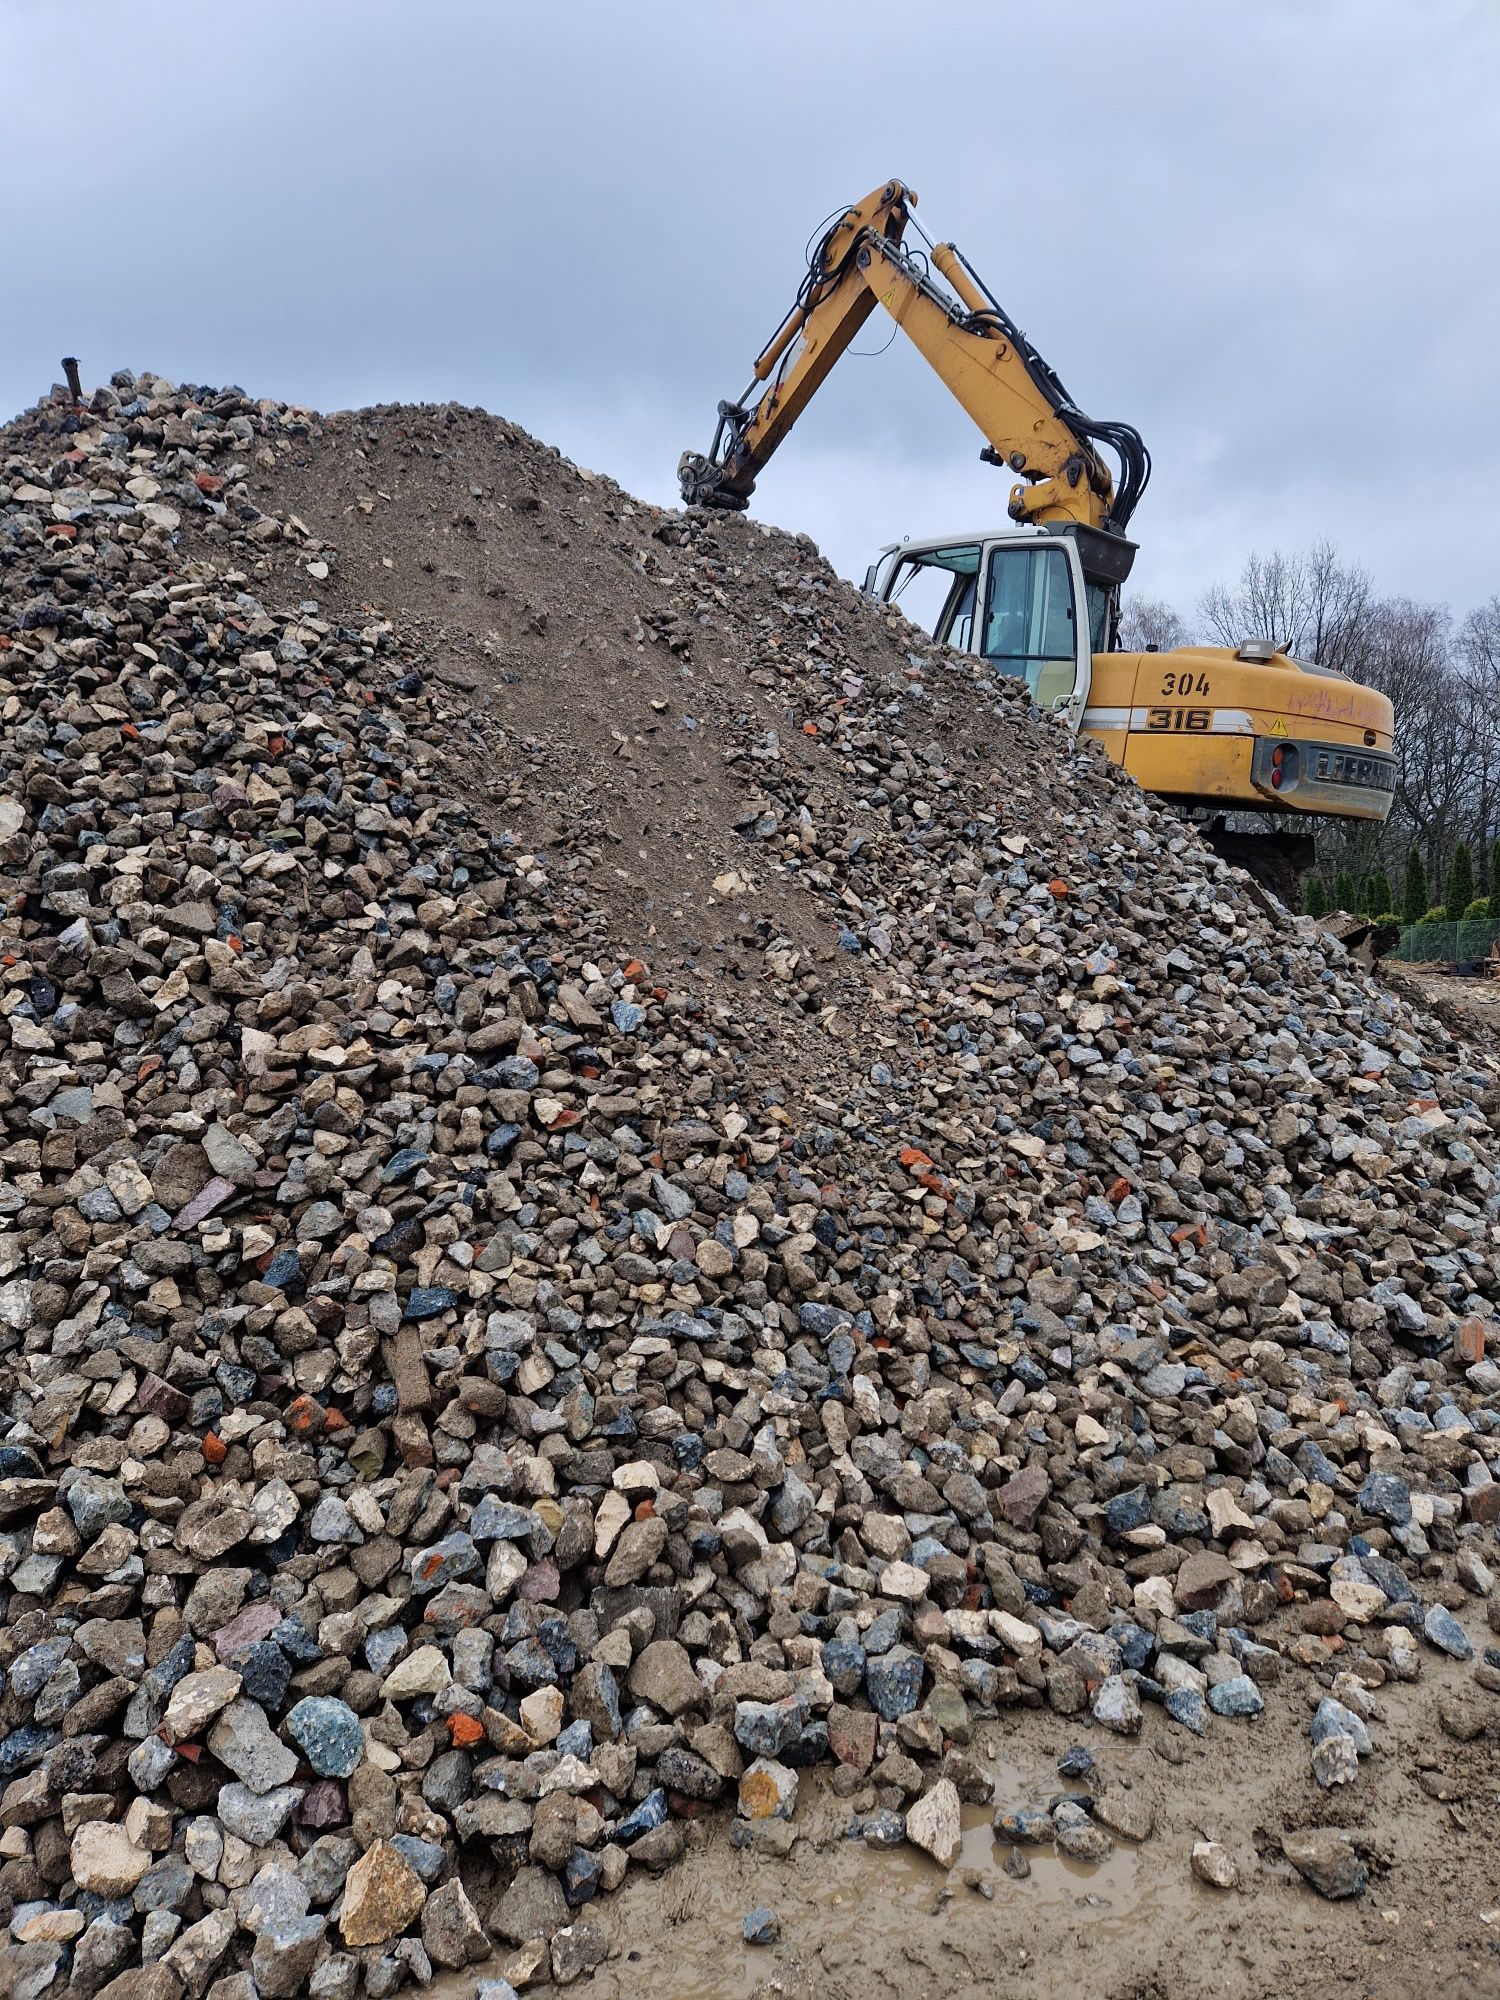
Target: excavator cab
[1020,598]
[1209,728]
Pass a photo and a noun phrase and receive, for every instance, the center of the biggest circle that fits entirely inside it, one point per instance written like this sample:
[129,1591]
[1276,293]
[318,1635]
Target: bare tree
[1478,649]
[1444,686]
[1479,641]
[1338,605]
[1443,683]
[1312,605]
[1150,624]
[1407,655]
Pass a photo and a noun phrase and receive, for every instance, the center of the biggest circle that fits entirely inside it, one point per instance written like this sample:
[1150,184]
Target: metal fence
[1447,944]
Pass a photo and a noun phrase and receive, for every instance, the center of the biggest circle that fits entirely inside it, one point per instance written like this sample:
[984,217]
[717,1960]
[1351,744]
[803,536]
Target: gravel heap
[473,1400]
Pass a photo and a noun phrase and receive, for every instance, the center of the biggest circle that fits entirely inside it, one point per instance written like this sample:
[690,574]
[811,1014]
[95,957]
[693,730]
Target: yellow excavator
[1210,729]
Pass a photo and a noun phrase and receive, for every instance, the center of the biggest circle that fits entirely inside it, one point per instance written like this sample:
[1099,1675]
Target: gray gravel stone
[495,1349]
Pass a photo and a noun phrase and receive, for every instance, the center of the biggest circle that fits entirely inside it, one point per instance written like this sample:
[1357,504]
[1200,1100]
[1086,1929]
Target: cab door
[1033,620]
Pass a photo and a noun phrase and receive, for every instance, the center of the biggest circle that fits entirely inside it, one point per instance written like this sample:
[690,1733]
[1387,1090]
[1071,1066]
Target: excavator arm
[1029,421]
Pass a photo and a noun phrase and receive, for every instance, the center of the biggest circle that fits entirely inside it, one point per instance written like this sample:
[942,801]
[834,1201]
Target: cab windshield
[1028,619]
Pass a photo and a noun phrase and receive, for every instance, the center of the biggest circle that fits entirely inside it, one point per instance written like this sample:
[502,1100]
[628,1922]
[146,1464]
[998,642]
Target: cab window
[936,590]
[1100,602]
[1029,627]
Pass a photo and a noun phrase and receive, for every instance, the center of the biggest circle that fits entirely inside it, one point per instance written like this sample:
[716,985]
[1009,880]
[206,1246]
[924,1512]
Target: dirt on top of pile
[550,601]
[659,701]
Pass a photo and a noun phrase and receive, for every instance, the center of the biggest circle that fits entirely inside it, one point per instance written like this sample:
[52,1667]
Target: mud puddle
[858,1925]
[847,1913]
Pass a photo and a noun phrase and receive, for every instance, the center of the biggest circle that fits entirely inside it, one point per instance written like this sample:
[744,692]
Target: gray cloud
[1263,235]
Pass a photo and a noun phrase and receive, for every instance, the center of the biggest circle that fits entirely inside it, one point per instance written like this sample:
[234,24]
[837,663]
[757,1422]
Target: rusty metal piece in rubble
[70,369]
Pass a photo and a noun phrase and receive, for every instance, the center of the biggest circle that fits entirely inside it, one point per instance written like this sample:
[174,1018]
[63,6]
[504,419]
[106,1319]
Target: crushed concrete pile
[620,1178]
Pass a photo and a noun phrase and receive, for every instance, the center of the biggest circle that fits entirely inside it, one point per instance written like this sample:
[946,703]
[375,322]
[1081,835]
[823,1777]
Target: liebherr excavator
[1210,729]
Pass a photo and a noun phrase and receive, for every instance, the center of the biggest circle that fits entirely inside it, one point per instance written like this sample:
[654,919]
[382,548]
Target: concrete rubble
[462,1419]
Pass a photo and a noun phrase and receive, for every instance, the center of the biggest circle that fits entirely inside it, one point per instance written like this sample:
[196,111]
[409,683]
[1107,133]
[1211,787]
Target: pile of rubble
[462,1417]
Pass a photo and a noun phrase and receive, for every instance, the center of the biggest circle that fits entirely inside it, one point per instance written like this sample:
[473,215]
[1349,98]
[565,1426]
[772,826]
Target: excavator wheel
[1275,859]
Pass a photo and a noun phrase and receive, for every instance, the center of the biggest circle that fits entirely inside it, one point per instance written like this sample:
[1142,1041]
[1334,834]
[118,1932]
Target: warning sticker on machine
[1278,727]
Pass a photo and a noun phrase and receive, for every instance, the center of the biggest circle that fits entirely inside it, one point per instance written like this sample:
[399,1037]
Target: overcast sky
[1265,234]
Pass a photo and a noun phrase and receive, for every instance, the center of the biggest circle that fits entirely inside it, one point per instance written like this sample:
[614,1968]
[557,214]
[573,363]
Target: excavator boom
[1029,422]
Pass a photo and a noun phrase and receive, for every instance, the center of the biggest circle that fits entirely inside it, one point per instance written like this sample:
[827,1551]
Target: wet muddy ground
[857,1925]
